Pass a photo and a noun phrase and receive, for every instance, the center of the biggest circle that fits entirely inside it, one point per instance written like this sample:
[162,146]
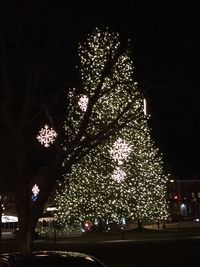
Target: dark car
[49,259]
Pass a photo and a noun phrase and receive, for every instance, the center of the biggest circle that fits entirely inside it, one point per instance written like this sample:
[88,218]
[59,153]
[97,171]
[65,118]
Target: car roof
[49,258]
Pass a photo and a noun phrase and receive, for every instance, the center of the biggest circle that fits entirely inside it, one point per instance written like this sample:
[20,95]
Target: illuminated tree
[145,178]
[122,176]
[33,65]
[99,189]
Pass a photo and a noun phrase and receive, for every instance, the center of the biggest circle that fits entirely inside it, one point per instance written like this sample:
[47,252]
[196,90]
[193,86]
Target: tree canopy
[109,109]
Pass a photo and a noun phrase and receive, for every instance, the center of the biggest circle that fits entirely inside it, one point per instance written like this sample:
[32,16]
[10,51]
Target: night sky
[166,47]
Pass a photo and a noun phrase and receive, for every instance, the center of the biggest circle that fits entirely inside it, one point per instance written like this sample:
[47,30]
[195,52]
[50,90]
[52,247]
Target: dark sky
[168,68]
[166,45]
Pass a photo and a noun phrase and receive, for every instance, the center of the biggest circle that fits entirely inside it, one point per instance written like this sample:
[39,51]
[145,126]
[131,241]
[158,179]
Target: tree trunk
[140,226]
[25,240]
[29,211]
[28,214]
[26,230]
[27,223]
[25,219]
[1,213]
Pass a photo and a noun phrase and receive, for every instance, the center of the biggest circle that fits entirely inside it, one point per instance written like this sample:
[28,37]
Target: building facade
[183,197]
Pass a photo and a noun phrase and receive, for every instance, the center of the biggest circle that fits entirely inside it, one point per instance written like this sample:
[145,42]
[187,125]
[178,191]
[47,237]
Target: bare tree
[32,94]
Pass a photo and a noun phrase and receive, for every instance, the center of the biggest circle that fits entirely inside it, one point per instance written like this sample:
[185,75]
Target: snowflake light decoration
[83,102]
[35,190]
[118,175]
[120,151]
[46,136]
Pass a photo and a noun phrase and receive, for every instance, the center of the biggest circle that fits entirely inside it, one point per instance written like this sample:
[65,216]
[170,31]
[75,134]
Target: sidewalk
[180,229]
[147,235]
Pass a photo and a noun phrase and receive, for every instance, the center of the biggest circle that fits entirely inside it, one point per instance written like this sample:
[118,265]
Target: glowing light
[145,106]
[120,151]
[9,218]
[51,208]
[98,187]
[118,175]
[83,102]
[35,190]
[183,206]
[46,136]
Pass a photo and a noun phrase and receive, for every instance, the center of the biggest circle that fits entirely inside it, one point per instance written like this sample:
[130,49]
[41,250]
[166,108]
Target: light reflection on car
[49,259]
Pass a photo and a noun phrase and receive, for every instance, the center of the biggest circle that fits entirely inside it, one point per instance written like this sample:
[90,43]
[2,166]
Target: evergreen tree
[122,176]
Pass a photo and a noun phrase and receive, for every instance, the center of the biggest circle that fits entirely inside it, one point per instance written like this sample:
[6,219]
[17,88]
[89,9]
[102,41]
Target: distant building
[183,197]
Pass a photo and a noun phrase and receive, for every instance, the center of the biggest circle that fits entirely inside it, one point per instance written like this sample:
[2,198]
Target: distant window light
[51,208]
[198,194]
[192,194]
[9,218]
[183,209]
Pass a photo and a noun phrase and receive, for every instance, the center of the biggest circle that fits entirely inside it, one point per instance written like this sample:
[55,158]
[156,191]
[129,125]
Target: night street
[159,253]
[183,252]
[180,253]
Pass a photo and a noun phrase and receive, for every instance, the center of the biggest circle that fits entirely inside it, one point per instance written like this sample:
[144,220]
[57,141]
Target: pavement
[176,245]
[130,232]
[152,247]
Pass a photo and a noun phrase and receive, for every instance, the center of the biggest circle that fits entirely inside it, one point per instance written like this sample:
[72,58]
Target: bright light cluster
[35,190]
[46,136]
[118,175]
[95,53]
[113,180]
[83,102]
[120,151]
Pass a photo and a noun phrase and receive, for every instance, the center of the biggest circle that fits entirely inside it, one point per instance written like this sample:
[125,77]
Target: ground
[177,245]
